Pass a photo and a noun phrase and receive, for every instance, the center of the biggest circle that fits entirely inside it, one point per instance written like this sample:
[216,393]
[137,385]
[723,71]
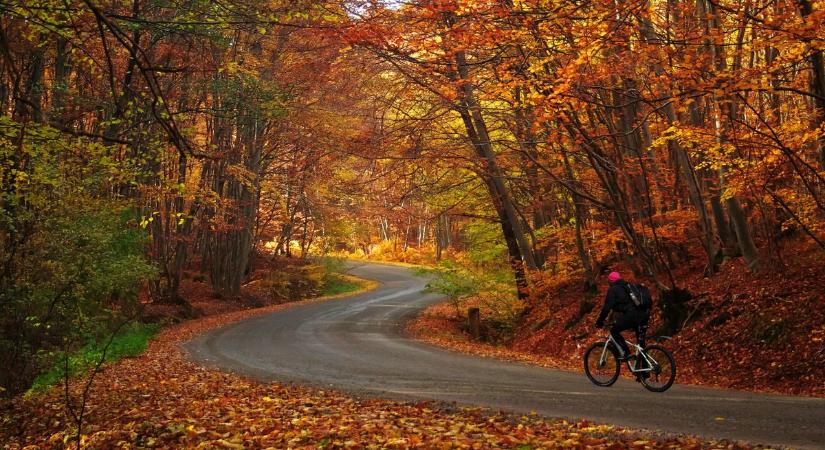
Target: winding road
[356,345]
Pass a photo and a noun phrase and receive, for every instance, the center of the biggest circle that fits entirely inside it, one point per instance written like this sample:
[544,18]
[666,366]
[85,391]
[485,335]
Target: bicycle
[653,366]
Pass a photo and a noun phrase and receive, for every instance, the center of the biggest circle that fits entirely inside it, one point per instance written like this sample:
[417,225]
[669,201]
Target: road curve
[356,345]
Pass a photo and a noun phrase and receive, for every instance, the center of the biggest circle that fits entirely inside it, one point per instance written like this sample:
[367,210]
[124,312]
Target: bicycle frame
[651,363]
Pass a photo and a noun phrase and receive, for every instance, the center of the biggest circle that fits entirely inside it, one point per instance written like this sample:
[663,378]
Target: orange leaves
[762,333]
[160,400]
[441,6]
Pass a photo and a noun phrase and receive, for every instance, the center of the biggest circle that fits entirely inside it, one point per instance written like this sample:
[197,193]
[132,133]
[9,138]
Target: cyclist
[630,317]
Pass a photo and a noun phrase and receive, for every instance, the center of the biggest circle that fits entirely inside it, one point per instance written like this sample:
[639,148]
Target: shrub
[130,341]
[71,260]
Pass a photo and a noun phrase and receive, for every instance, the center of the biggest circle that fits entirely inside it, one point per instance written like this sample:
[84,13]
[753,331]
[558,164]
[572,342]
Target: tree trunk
[577,201]
[30,103]
[817,80]
[60,85]
[476,127]
[742,230]
[728,115]
[682,160]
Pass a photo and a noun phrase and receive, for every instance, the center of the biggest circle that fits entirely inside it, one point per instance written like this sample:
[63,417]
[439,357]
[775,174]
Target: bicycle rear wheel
[601,365]
[663,370]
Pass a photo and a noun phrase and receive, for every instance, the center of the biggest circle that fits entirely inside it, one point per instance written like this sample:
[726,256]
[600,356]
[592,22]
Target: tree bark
[682,160]
[578,209]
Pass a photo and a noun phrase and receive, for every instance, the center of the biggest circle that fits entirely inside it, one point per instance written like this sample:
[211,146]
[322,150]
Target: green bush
[332,283]
[489,286]
[71,257]
[77,283]
[485,248]
[332,264]
[131,341]
[452,280]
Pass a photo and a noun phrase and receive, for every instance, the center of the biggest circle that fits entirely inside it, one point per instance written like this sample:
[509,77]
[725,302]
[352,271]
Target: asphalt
[357,345]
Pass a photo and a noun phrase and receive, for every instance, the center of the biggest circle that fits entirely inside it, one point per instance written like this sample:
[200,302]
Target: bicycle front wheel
[662,372]
[601,364]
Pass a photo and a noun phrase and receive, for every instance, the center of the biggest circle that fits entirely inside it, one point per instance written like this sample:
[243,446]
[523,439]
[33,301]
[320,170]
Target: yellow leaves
[226,444]
[597,428]
[672,133]
[242,174]
[145,221]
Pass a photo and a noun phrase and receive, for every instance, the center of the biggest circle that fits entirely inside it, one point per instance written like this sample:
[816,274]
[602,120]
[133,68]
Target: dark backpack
[640,296]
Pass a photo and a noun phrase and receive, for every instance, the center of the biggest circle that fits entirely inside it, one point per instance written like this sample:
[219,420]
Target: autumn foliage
[526,146]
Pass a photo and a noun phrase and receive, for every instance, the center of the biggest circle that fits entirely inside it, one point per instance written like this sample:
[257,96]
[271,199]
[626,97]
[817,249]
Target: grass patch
[334,280]
[337,284]
[131,341]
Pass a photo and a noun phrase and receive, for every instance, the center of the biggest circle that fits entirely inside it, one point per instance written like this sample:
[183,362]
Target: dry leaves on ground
[161,400]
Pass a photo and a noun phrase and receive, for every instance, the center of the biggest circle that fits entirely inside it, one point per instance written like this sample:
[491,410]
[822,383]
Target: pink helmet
[614,277]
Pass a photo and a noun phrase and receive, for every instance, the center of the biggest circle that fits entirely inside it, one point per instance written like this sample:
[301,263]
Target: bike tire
[611,366]
[661,379]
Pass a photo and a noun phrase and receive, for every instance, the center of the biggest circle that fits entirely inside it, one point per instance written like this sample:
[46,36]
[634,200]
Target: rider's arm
[609,303]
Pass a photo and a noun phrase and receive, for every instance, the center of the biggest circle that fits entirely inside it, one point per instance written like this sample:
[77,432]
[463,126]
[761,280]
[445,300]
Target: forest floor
[763,333]
[162,400]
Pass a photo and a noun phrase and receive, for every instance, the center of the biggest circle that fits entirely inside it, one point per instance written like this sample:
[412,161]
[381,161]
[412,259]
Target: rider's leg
[641,335]
[641,330]
[616,331]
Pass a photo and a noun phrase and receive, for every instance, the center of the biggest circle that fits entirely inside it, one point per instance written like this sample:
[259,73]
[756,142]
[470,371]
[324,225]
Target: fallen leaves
[161,400]
[760,332]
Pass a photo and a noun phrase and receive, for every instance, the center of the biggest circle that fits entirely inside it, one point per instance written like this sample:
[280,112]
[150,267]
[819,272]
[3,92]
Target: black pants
[632,320]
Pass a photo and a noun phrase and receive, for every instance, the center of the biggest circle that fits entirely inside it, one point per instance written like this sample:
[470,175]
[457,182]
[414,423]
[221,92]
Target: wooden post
[474,317]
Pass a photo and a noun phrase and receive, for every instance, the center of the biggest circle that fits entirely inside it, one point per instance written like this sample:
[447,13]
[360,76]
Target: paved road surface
[355,345]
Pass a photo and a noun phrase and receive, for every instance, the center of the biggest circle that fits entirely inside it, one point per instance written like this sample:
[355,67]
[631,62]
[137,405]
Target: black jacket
[617,299]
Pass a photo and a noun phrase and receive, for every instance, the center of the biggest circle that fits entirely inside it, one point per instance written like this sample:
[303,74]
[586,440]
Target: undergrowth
[334,281]
[131,341]
[335,284]
[483,285]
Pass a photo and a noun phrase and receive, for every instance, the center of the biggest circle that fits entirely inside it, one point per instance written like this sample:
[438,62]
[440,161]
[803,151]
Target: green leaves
[72,256]
[453,281]
[131,341]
